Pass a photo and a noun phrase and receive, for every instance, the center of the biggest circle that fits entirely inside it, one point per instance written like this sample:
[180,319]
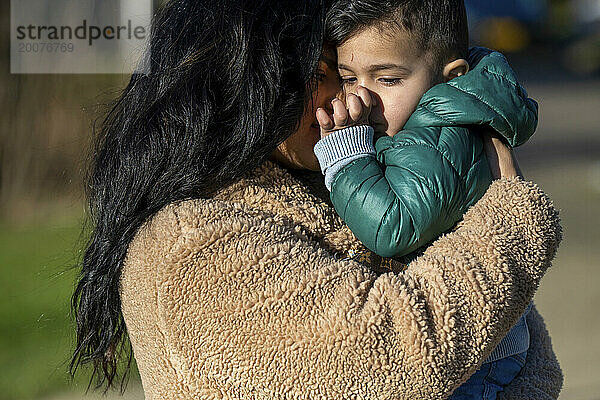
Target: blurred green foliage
[36,330]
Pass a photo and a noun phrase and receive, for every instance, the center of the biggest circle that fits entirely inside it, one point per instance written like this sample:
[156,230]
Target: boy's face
[393,68]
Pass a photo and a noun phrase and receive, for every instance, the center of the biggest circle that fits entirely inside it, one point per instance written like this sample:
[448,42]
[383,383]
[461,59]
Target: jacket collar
[489,94]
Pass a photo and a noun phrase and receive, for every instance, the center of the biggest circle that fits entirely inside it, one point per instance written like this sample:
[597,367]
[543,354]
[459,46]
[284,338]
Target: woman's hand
[500,157]
[357,113]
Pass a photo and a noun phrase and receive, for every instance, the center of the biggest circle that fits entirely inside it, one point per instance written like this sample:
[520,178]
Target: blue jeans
[490,379]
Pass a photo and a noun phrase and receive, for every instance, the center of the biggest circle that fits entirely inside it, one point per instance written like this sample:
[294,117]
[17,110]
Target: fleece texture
[245,296]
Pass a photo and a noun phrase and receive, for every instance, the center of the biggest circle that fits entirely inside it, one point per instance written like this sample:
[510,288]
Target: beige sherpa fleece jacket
[242,296]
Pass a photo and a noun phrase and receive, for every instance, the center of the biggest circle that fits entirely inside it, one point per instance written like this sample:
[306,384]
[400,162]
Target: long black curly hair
[228,81]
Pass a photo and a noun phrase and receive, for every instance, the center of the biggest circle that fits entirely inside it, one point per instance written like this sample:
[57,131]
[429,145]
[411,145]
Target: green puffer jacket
[423,179]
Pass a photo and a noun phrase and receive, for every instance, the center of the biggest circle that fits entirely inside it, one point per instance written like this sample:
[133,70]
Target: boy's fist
[358,112]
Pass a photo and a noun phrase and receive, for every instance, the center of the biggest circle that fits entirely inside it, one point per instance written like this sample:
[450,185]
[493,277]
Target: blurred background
[46,129]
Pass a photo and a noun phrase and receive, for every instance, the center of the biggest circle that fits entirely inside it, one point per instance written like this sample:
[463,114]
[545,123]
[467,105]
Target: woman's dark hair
[436,25]
[228,81]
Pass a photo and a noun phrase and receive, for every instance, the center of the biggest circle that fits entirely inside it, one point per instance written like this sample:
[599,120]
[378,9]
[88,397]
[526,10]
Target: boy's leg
[490,379]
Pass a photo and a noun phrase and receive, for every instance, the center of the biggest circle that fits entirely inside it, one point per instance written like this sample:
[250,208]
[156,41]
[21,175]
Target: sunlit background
[46,128]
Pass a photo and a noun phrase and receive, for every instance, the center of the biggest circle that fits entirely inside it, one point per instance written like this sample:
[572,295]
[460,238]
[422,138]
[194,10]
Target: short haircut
[438,26]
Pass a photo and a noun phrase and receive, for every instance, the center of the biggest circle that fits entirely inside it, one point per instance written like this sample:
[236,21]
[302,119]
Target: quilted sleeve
[415,190]
[250,307]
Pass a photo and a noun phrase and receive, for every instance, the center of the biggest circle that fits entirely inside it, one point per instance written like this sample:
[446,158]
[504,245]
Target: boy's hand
[357,113]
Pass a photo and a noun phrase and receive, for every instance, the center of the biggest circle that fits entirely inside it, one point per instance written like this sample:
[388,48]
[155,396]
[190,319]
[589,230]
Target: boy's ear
[455,69]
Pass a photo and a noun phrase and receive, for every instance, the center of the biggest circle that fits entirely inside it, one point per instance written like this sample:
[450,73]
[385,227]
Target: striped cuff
[341,147]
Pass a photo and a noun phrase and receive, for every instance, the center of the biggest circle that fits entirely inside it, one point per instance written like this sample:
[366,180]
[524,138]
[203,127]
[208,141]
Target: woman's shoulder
[221,224]
[270,203]
[175,224]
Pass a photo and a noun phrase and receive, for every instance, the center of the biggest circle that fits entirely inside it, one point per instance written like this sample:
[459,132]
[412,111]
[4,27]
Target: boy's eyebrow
[378,67]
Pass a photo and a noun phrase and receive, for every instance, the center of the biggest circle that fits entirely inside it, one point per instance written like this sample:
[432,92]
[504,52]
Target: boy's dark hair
[439,26]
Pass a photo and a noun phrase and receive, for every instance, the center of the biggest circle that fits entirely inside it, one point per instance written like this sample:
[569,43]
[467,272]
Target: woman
[216,248]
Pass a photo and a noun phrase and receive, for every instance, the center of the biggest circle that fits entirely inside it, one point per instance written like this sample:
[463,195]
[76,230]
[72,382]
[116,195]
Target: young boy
[403,65]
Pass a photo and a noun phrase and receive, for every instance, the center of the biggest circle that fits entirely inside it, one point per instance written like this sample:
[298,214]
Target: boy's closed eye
[349,81]
[390,81]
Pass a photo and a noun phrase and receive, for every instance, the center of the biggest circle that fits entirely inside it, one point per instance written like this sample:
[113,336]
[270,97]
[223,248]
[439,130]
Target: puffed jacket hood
[422,180]
[488,95]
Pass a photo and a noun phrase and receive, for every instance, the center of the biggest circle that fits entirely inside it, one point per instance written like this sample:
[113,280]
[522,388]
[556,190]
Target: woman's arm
[542,377]
[248,306]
